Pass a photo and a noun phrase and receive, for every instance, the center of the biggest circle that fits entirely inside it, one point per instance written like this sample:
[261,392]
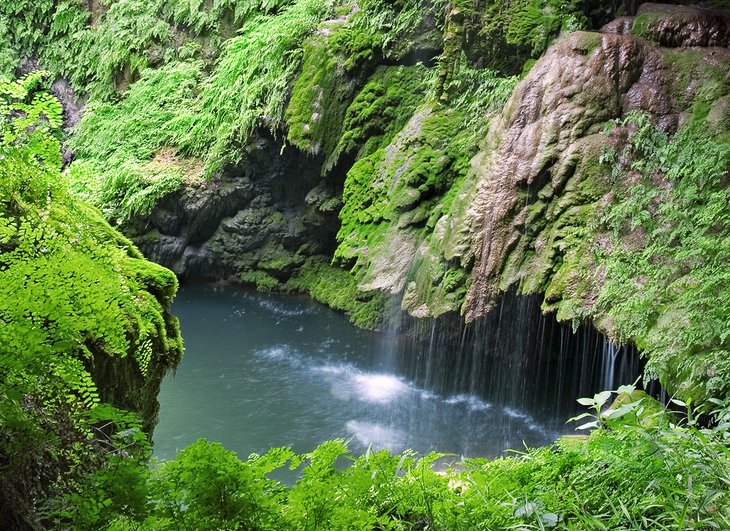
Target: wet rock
[719,115]
[619,26]
[584,80]
[73,105]
[272,204]
[682,26]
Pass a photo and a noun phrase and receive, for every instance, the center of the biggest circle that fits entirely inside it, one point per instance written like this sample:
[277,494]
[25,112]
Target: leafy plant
[670,238]
[67,305]
[250,84]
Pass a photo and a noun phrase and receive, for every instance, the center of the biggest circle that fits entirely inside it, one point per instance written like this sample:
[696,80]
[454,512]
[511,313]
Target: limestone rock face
[581,83]
[683,26]
[534,176]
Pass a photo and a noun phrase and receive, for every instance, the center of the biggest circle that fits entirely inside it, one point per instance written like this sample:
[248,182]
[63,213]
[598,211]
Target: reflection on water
[262,371]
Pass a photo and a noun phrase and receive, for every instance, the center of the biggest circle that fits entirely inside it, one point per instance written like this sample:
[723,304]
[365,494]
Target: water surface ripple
[262,371]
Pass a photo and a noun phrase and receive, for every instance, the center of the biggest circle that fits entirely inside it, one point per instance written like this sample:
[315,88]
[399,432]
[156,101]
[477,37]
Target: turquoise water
[261,371]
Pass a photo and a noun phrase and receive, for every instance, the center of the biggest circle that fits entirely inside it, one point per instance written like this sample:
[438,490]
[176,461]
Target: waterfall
[608,365]
[620,364]
[514,357]
[390,348]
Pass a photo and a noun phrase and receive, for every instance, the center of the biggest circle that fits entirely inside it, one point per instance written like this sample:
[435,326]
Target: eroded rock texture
[682,26]
[267,213]
[538,184]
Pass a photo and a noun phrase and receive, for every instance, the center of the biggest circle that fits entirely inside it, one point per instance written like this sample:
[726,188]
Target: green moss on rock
[328,81]
[338,289]
[380,110]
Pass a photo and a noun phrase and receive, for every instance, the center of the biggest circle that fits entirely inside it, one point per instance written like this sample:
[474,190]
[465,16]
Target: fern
[666,287]
[250,84]
[397,21]
[72,292]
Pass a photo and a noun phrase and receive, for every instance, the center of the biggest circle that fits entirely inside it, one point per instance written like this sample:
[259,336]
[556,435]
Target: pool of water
[262,371]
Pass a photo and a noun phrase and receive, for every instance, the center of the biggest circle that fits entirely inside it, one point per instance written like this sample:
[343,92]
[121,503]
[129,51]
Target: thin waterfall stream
[263,370]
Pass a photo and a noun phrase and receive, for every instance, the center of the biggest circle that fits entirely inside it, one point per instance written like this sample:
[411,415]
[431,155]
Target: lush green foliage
[120,177]
[103,52]
[674,240]
[396,21]
[103,47]
[174,105]
[72,292]
[250,84]
[638,471]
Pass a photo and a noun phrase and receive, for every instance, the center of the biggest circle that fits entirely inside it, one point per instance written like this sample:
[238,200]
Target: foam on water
[331,369]
[283,310]
[472,402]
[379,388]
[349,383]
[377,435]
[280,354]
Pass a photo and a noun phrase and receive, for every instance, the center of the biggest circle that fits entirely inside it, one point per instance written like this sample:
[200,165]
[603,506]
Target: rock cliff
[446,204]
[397,158]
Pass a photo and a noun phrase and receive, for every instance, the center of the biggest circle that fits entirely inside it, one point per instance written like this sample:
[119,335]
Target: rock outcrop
[682,26]
[552,126]
[268,213]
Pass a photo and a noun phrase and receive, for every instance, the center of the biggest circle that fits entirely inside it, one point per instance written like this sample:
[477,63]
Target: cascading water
[514,357]
[619,364]
[263,370]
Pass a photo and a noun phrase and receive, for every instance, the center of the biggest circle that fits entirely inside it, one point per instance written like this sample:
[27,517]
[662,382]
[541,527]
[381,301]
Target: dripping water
[515,357]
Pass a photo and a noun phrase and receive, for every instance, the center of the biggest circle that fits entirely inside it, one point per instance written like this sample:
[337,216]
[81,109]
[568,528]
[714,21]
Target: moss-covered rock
[550,184]
[682,26]
[379,111]
[84,321]
[335,62]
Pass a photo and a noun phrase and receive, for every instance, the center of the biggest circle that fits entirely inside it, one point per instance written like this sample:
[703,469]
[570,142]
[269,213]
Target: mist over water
[262,371]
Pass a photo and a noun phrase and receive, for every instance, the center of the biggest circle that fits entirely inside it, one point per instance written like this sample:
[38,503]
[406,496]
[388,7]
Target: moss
[157,279]
[321,94]
[437,287]
[334,66]
[380,110]
[589,42]
[400,193]
[364,206]
[358,47]
[262,280]
[338,289]
[644,25]
[434,159]
[453,41]
[277,261]
[403,187]
[697,79]
[553,254]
